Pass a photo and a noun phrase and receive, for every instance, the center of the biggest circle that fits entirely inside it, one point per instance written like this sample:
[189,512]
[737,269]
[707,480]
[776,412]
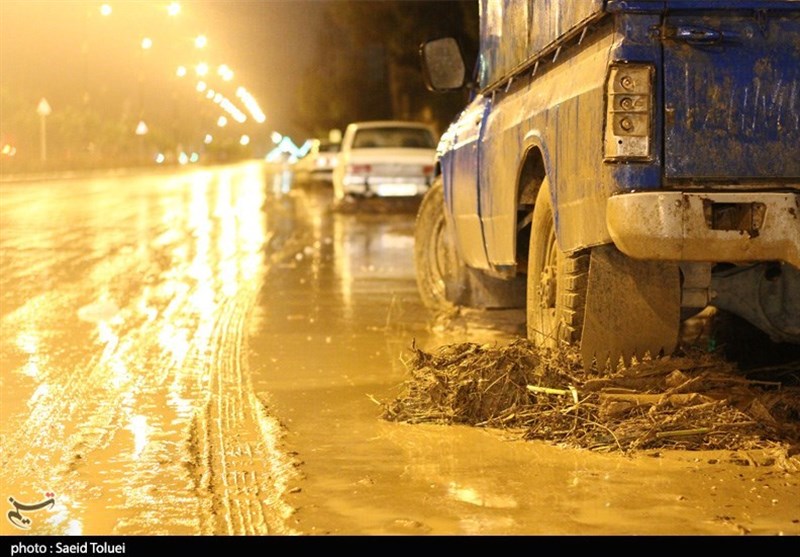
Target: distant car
[318,164]
[387,158]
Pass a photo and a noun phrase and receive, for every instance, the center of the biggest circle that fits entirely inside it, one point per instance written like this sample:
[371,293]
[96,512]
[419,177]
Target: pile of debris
[691,401]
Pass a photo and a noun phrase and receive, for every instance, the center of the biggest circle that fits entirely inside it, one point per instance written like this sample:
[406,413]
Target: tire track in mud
[237,461]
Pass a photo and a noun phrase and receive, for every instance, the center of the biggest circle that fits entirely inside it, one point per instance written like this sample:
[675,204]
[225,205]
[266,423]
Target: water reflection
[133,281]
[138,427]
[480,497]
[28,343]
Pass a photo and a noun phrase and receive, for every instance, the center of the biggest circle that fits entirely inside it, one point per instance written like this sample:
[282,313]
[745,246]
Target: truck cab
[622,164]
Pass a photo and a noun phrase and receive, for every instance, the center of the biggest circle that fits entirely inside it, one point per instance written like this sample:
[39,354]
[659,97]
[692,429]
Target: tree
[368,62]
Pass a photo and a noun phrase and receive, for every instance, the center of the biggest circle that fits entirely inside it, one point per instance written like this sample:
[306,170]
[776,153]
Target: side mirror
[443,65]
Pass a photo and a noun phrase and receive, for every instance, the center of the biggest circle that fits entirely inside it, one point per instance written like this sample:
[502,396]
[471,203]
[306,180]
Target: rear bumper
[386,186]
[729,227]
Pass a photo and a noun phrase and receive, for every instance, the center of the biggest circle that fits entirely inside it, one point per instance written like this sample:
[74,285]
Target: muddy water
[124,302]
[329,335]
[206,352]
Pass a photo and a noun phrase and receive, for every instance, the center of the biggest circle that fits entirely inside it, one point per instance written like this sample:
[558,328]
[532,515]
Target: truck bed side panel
[513,31]
[560,112]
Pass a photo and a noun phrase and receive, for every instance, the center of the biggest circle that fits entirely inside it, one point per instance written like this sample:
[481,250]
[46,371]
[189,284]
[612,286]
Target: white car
[387,158]
[318,164]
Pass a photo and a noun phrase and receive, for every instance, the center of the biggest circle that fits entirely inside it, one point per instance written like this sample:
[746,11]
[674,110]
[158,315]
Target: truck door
[732,94]
[463,188]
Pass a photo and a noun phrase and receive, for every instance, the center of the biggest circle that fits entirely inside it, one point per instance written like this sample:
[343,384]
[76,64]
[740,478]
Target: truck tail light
[629,112]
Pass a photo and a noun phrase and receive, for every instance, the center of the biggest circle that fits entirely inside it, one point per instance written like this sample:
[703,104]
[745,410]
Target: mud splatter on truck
[621,166]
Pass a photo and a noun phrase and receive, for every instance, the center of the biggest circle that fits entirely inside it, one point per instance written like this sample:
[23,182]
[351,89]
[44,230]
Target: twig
[619,446]
[548,390]
[682,432]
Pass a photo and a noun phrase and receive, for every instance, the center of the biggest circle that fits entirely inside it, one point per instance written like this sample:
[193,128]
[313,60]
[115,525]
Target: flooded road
[206,353]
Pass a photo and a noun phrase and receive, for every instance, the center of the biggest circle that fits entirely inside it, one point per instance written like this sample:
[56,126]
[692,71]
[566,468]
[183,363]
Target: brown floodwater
[207,352]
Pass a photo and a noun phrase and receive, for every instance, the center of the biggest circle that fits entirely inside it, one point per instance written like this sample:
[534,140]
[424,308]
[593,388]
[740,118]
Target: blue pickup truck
[622,165]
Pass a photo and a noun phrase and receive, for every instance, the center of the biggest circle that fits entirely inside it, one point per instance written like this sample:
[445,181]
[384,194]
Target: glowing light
[147,43]
[285,149]
[201,69]
[201,86]
[251,105]
[276,137]
[194,158]
[183,158]
[245,140]
[208,139]
[210,94]
[225,72]
[222,121]
[218,98]
[200,41]
[174,9]
[305,148]
[160,158]
[181,71]
[105,10]
[234,112]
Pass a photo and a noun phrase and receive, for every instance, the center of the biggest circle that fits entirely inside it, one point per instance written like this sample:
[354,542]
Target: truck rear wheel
[557,282]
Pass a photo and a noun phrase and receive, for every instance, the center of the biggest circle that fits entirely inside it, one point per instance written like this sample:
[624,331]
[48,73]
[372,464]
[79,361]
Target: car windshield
[381,138]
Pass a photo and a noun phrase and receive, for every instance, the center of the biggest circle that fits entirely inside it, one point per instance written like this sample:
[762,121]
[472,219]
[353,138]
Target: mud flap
[632,309]
[485,292]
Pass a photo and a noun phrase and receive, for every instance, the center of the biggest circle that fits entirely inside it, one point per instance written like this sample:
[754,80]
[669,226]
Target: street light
[200,41]
[105,10]
[225,72]
[201,69]
[147,43]
[174,9]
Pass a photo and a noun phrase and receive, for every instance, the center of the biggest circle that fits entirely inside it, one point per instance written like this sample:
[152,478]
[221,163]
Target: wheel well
[531,175]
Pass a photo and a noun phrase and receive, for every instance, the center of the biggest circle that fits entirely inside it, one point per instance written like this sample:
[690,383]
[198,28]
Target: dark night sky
[267,43]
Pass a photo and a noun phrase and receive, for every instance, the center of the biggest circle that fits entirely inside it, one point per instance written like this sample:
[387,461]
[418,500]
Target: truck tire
[441,275]
[444,280]
[557,282]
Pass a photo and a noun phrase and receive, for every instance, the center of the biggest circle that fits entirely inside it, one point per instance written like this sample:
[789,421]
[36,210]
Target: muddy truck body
[621,165]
